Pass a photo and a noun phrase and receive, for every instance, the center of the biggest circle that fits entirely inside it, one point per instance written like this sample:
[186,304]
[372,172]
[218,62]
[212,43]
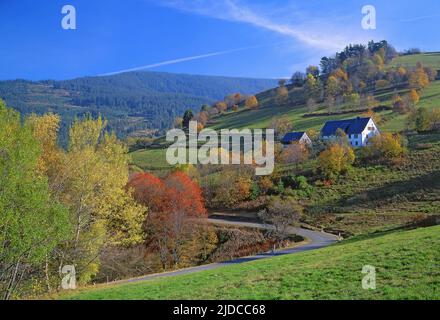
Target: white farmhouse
[358,130]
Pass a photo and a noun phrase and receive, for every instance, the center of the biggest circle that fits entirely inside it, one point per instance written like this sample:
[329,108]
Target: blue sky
[249,38]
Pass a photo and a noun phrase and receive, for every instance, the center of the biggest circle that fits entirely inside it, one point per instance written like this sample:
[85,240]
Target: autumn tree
[202,117]
[400,105]
[414,97]
[185,202]
[45,131]
[281,214]
[178,123]
[385,147]
[435,119]
[418,79]
[353,99]
[234,187]
[313,134]
[344,85]
[378,60]
[252,102]
[173,203]
[313,70]
[401,71]
[432,73]
[32,222]
[311,105]
[332,88]
[381,84]
[265,184]
[101,210]
[330,102]
[151,192]
[361,86]
[341,138]
[230,100]
[238,98]
[423,120]
[221,106]
[335,160]
[295,153]
[282,95]
[312,87]
[281,125]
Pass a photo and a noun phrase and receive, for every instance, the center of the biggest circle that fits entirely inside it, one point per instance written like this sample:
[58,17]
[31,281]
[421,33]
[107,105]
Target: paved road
[315,240]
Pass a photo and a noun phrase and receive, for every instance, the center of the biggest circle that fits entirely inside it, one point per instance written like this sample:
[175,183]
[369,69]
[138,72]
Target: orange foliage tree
[418,79]
[173,202]
[252,102]
[414,97]
[221,106]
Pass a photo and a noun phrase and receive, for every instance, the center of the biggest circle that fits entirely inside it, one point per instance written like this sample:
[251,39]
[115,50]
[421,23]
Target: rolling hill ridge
[133,101]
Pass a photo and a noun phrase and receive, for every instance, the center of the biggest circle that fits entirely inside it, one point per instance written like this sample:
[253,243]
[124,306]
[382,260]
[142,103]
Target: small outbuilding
[296,137]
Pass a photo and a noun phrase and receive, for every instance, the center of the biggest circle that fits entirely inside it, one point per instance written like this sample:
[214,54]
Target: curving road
[314,240]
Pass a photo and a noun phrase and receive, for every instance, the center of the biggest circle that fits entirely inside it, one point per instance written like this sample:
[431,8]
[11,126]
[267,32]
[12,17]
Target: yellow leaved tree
[90,179]
[335,160]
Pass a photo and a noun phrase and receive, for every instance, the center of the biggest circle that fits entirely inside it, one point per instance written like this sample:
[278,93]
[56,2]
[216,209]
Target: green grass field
[430,59]
[407,267]
[152,159]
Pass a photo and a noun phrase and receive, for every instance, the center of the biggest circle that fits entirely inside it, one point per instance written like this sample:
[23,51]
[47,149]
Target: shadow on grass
[402,188]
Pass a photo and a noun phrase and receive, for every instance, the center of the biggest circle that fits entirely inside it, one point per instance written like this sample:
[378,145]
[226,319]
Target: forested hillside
[384,89]
[131,102]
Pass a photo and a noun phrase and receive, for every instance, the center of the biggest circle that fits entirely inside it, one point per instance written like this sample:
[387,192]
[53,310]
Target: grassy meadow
[429,59]
[403,271]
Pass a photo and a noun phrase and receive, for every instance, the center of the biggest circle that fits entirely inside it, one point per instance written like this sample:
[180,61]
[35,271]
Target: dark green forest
[131,102]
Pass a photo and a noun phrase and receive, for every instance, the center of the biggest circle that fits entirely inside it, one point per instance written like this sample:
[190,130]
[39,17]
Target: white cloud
[322,34]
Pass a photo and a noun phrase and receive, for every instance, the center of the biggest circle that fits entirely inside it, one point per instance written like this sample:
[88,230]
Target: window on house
[357,143]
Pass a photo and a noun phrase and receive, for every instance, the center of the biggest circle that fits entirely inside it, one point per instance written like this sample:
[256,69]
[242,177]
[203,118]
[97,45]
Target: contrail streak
[174,61]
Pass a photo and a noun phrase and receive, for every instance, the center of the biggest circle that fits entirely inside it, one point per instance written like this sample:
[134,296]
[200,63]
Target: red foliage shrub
[172,203]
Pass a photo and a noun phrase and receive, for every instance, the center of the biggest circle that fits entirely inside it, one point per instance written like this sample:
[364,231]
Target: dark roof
[292,136]
[350,126]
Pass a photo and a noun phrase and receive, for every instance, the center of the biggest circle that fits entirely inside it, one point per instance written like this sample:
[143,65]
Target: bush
[295,153]
[336,160]
[386,147]
[381,84]
[281,213]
